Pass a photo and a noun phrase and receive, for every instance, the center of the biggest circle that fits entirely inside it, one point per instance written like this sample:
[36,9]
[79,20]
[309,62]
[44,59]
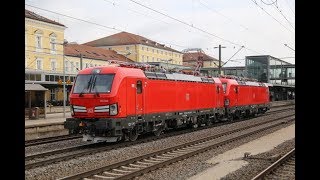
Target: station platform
[50,126]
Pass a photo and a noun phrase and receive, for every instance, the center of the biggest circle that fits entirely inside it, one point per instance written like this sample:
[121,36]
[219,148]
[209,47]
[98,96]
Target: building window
[72,66]
[142,57]
[127,48]
[38,42]
[152,50]
[161,52]
[53,44]
[38,39]
[165,53]
[142,48]
[87,65]
[53,65]
[152,59]
[39,64]
[158,51]
[147,49]
[66,66]
[110,48]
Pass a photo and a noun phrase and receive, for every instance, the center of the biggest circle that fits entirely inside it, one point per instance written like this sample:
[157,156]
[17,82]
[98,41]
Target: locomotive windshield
[93,83]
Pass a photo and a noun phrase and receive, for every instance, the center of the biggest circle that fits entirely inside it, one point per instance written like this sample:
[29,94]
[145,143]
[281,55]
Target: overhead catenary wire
[208,33]
[93,23]
[217,12]
[275,1]
[290,8]
[144,15]
[276,6]
[191,25]
[254,1]
[89,22]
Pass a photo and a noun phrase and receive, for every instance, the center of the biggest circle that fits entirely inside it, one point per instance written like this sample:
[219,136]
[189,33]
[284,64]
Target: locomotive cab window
[139,87]
[89,83]
[218,89]
[236,89]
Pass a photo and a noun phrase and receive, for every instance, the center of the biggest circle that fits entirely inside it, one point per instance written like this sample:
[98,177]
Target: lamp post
[64,78]
[219,68]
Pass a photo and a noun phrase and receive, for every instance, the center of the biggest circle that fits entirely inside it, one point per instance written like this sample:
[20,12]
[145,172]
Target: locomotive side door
[139,98]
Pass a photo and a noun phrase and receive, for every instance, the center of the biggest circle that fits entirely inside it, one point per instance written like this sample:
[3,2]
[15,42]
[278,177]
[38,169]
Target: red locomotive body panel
[172,96]
[157,96]
[112,103]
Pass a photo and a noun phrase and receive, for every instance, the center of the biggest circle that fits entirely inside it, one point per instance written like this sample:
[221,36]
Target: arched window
[53,38]
[38,36]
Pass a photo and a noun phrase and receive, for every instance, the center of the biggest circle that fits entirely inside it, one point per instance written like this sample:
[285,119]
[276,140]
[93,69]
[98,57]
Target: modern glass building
[213,72]
[270,70]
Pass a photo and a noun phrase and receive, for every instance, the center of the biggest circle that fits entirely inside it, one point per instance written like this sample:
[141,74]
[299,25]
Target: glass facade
[257,68]
[214,72]
[271,70]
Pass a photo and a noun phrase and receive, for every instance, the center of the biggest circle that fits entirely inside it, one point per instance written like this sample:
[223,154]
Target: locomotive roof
[178,77]
[136,72]
[246,83]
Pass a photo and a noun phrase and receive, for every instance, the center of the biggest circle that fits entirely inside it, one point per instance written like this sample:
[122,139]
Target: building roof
[34,87]
[193,56]
[125,38]
[265,58]
[93,53]
[32,15]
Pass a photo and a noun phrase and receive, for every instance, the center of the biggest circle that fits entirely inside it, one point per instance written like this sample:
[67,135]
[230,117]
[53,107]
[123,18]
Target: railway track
[284,168]
[140,165]
[33,161]
[35,142]
[41,141]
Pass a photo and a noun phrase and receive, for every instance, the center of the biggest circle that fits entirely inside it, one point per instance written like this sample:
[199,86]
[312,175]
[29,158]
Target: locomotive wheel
[209,123]
[133,135]
[158,132]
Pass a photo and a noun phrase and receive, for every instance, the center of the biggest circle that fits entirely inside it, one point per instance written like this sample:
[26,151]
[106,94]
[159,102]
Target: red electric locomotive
[119,103]
[244,97]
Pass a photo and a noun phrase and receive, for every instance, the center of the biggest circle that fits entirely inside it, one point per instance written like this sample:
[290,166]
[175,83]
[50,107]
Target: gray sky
[203,23]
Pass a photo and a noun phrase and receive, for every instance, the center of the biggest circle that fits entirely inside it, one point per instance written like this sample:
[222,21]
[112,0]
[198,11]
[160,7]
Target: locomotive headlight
[226,102]
[113,109]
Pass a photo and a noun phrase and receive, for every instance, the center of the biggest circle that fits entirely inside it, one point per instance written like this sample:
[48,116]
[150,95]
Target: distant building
[191,56]
[43,57]
[266,68]
[138,48]
[81,56]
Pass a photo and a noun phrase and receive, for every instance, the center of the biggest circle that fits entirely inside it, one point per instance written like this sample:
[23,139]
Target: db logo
[90,110]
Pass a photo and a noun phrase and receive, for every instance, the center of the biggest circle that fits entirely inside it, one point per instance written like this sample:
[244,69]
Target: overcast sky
[198,23]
